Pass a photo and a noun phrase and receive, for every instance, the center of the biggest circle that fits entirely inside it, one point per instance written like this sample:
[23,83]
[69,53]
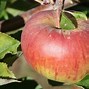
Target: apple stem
[58,6]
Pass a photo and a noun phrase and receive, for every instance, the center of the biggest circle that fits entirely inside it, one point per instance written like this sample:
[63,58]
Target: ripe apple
[58,54]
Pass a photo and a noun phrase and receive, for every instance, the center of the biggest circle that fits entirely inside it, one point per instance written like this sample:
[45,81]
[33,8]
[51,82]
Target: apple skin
[60,55]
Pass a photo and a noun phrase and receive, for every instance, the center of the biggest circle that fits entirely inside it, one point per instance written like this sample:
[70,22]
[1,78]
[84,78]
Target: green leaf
[5,72]
[39,87]
[68,86]
[66,22]
[2,6]
[7,45]
[79,15]
[7,81]
[13,11]
[84,82]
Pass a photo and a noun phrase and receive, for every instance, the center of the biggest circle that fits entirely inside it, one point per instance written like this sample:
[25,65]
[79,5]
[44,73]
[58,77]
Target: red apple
[58,54]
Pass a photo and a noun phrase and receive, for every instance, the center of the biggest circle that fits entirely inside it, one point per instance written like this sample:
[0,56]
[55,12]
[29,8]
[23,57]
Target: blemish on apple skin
[67,34]
[50,36]
[68,37]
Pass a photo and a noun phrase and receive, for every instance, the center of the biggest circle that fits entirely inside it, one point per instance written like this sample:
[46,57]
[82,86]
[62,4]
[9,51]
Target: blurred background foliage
[10,8]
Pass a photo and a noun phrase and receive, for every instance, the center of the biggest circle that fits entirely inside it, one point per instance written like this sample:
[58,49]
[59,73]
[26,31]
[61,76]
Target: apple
[58,54]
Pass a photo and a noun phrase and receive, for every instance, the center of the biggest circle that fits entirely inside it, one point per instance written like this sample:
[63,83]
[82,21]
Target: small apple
[58,54]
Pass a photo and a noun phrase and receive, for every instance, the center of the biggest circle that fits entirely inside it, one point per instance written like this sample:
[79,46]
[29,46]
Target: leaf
[2,6]
[84,82]
[79,15]
[7,45]
[5,72]
[9,59]
[71,86]
[66,22]
[7,81]
[13,11]
[39,87]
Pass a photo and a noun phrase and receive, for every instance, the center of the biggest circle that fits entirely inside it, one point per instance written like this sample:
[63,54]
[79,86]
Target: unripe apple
[58,54]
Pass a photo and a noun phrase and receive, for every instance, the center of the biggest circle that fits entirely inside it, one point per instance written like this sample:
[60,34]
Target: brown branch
[29,13]
[19,21]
